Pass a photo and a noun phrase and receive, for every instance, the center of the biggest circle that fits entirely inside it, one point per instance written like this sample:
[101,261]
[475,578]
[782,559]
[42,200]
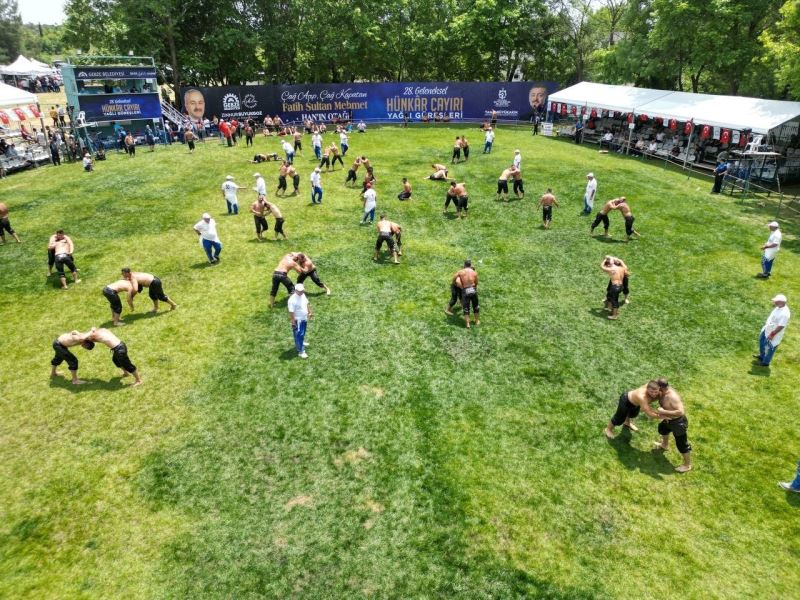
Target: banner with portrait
[385,102]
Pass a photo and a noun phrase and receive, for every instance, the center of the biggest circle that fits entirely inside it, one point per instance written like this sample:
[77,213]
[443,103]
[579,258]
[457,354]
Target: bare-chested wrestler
[129,287]
[502,182]
[351,173]
[325,161]
[450,196]
[616,273]
[602,216]
[259,209]
[259,158]
[547,202]
[119,352]
[625,209]
[292,172]
[406,193]
[626,274]
[61,248]
[630,403]
[276,212]
[155,288]
[335,155]
[5,225]
[439,172]
[397,232]
[462,199]
[466,281]
[456,151]
[385,230]
[290,262]
[675,422]
[282,178]
[309,269]
[519,185]
[61,347]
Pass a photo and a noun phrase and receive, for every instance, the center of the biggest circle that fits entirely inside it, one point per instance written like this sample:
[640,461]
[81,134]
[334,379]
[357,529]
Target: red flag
[4,118]
[688,127]
[20,113]
[725,136]
[34,109]
[705,132]
[673,124]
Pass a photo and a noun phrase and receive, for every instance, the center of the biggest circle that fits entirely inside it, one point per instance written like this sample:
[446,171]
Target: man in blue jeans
[792,486]
[206,229]
[299,314]
[770,249]
[316,186]
[773,330]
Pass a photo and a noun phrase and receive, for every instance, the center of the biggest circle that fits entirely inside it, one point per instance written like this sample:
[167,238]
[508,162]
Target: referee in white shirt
[299,314]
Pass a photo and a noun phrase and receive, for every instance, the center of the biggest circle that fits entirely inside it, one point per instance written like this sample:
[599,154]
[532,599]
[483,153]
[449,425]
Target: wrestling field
[407,457]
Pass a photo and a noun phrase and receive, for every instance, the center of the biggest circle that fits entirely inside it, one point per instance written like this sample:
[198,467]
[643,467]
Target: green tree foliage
[782,43]
[10,31]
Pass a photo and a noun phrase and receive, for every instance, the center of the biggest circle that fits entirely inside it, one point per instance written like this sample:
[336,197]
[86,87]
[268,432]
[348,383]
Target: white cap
[256,174]
[590,175]
[772,224]
[300,287]
[229,177]
[206,216]
[779,298]
[516,151]
[317,169]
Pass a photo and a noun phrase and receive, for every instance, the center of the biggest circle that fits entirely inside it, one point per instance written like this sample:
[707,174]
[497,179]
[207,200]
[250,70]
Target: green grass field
[408,457]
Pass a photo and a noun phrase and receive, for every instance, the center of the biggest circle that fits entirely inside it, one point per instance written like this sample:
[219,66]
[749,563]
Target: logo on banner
[501,101]
[249,101]
[231,102]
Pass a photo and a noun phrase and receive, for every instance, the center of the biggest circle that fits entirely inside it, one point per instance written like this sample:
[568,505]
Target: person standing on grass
[615,273]
[792,486]
[127,286]
[459,191]
[310,270]
[625,274]
[55,154]
[299,315]
[351,172]
[676,423]
[589,194]
[630,403]
[385,230]
[206,229]
[465,285]
[465,148]
[229,189]
[279,220]
[547,201]
[519,184]
[316,186]
[248,135]
[62,248]
[119,352]
[261,186]
[344,143]
[719,176]
[623,207]
[290,262]
[154,287]
[5,226]
[517,159]
[335,156]
[282,178]
[297,135]
[488,141]
[773,330]
[456,151]
[370,197]
[289,151]
[602,216]
[189,138]
[259,211]
[406,193]
[502,183]
[292,172]
[770,249]
[61,347]
[130,145]
[87,162]
[316,143]
[150,138]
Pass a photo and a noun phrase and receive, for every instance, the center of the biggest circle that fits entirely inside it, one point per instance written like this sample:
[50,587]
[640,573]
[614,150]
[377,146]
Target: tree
[10,31]
[782,45]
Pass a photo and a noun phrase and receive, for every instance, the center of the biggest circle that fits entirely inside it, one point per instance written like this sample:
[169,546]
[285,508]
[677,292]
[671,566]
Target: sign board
[89,73]
[391,101]
[547,129]
[120,107]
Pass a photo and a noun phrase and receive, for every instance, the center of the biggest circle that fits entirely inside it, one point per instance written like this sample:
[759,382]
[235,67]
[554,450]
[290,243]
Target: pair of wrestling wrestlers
[620,204]
[305,268]
[119,352]
[132,283]
[464,288]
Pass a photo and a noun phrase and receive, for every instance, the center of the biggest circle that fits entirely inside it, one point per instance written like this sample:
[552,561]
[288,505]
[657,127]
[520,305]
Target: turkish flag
[20,113]
[705,132]
[573,110]
[630,117]
[673,124]
[4,119]
[644,118]
[593,114]
[33,108]
[725,136]
[564,109]
[688,127]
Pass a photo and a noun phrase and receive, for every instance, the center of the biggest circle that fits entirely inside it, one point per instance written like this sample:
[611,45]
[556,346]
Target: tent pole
[630,134]
[689,143]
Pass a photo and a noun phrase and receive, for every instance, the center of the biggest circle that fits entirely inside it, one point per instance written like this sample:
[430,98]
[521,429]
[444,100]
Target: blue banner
[120,107]
[372,101]
[87,73]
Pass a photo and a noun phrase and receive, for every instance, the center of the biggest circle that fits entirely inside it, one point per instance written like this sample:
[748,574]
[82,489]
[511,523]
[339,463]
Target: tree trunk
[173,60]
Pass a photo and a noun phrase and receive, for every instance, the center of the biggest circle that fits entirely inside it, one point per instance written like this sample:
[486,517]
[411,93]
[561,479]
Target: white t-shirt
[229,189]
[343,138]
[86,161]
[298,306]
[208,231]
[490,136]
[261,186]
[779,316]
[591,190]
[775,237]
[370,199]
[287,147]
[518,161]
[608,137]
[316,140]
[316,179]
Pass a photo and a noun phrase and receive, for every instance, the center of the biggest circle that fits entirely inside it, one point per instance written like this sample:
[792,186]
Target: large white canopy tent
[11,96]
[24,67]
[734,112]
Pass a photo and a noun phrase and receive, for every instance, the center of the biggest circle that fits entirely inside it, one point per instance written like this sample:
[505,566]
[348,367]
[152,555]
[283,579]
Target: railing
[170,113]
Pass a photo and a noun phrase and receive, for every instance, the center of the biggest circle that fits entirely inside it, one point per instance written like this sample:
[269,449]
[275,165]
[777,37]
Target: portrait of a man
[537,96]
[195,104]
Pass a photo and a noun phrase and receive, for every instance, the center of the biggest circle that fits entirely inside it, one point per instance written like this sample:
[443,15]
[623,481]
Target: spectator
[206,229]
[792,486]
[589,195]
[773,330]
[578,131]
[54,151]
[770,249]
[362,127]
[719,176]
[607,140]
[87,163]
[62,113]
[299,314]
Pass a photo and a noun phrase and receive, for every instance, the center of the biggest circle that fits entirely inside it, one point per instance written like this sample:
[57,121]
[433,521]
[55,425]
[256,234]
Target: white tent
[22,66]
[734,112]
[621,98]
[44,66]
[11,96]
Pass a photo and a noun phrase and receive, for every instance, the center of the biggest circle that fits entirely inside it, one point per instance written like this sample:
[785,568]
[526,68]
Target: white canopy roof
[735,112]
[11,96]
[622,98]
[22,66]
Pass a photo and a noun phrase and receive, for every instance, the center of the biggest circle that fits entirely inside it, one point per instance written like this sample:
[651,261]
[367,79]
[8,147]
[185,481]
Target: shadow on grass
[92,384]
[288,355]
[793,499]
[651,463]
[759,371]
[608,240]
[132,318]
[202,265]
[600,313]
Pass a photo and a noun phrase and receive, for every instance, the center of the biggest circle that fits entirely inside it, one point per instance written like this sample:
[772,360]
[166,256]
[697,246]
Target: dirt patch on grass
[375,391]
[301,500]
[352,457]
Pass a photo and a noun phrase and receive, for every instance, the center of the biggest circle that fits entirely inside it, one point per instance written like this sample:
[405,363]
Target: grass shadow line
[652,463]
[92,384]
